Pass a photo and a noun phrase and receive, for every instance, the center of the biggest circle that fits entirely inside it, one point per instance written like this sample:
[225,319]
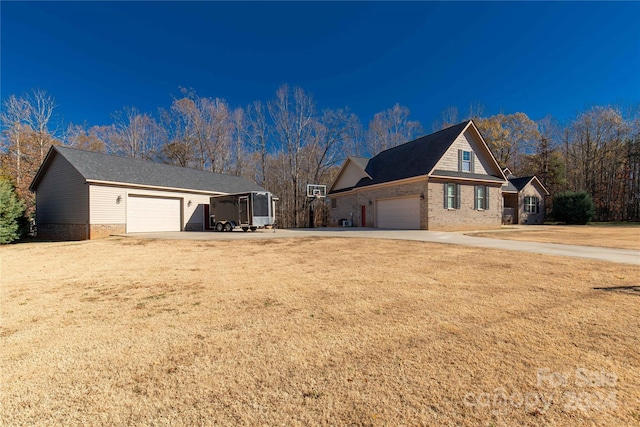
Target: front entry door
[363,215]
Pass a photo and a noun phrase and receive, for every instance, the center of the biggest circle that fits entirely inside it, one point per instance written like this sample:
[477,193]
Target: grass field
[316,331]
[603,235]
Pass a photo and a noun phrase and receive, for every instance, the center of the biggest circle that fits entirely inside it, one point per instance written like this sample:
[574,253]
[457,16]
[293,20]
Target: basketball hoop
[316,191]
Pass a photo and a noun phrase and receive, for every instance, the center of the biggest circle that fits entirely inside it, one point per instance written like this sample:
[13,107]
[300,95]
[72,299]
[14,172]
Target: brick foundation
[99,231]
[62,231]
[78,231]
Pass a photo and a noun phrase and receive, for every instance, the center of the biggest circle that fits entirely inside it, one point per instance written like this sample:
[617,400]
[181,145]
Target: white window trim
[484,200]
[531,204]
[455,198]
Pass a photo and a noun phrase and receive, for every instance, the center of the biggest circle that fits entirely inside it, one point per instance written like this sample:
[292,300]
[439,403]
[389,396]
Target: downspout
[87,227]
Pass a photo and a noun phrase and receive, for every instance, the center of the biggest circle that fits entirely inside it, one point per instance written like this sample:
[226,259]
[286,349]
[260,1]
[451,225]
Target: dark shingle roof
[104,167]
[520,183]
[414,158]
[509,188]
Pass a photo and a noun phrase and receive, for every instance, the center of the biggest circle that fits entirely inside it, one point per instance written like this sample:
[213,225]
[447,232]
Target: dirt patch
[605,236]
[316,332]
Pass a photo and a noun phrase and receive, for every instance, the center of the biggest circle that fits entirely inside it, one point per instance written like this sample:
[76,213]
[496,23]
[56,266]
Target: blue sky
[539,58]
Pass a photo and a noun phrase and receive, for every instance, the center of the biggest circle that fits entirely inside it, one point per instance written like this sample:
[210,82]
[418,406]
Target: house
[448,180]
[523,200]
[86,195]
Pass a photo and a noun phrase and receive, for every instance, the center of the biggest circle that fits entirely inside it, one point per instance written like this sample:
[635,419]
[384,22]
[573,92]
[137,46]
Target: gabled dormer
[468,156]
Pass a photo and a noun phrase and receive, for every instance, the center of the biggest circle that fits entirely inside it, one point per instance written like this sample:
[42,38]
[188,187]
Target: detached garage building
[85,195]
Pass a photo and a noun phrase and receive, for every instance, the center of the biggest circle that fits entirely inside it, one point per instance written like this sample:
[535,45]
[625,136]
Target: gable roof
[414,158]
[419,158]
[106,168]
[521,182]
[359,162]
[515,185]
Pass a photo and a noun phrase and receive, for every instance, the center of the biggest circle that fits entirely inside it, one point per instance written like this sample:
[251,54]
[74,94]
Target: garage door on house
[403,213]
[152,214]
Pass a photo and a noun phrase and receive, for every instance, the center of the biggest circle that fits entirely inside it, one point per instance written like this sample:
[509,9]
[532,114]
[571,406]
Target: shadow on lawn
[632,290]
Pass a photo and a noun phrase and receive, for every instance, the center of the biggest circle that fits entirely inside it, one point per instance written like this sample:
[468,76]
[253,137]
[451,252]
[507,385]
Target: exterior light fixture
[421,196]
[118,199]
[189,203]
[370,202]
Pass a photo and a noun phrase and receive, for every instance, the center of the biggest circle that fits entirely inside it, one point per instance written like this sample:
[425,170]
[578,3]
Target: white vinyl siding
[402,213]
[62,197]
[105,208]
[145,214]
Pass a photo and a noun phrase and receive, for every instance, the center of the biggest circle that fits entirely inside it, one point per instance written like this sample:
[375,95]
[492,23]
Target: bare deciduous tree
[257,135]
[449,117]
[293,115]
[241,158]
[509,136]
[41,106]
[598,141]
[135,134]
[14,116]
[90,139]
[391,128]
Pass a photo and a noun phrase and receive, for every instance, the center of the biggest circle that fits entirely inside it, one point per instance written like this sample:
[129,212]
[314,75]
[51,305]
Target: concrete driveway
[623,256]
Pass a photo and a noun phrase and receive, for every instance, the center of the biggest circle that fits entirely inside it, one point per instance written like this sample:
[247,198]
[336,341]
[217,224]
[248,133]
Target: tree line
[288,142]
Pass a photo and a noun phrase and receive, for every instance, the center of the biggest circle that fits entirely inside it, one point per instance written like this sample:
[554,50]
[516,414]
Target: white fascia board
[152,187]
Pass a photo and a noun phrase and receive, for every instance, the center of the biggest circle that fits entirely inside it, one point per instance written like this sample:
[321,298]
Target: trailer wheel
[254,228]
[219,226]
[228,227]
[245,229]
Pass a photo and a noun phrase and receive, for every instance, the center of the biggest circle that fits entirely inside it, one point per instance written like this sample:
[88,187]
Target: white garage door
[401,213]
[152,214]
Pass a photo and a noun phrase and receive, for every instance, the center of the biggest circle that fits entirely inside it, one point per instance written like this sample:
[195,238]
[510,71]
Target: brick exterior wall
[352,203]
[62,231]
[433,215]
[465,218]
[99,231]
[78,231]
[530,218]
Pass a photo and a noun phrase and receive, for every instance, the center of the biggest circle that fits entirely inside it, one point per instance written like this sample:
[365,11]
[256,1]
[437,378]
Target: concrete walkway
[623,256]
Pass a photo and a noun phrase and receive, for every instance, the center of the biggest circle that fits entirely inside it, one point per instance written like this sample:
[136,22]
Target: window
[481,199]
[465,161]
[452,196]
[334,203]
[531,204]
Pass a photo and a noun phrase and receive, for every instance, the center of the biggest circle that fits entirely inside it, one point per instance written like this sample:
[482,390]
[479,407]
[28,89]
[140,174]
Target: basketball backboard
[316,190]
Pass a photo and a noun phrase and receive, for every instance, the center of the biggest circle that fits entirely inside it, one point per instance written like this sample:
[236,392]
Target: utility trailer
[243,210]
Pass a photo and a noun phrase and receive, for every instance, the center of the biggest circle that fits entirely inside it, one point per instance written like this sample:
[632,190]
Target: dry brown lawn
[606,236]
[317,331]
